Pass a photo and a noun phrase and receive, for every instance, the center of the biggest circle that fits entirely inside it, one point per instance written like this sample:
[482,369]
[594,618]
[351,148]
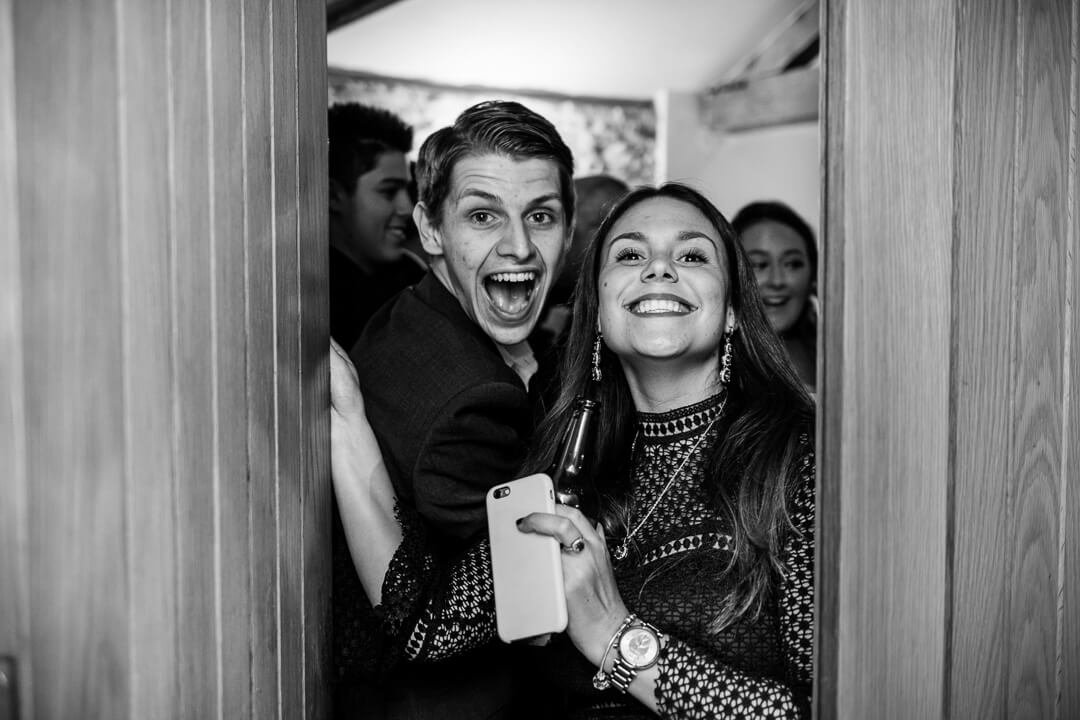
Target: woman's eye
[694,256]
[759,265]
[627,254]
[795,264]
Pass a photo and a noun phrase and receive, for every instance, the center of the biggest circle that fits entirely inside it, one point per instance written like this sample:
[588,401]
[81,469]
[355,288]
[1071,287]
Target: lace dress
[672,577]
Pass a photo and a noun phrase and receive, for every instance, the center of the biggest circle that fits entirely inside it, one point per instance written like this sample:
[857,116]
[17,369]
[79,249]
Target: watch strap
[622,672]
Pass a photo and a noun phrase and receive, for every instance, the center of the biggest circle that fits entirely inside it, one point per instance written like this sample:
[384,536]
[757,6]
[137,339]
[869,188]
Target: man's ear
[430,237]
[338,197]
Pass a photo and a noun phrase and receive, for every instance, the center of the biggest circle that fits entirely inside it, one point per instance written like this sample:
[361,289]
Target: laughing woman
[693,595]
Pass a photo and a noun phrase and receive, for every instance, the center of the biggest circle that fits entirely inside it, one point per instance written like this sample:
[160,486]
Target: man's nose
[403,204]
[515,242]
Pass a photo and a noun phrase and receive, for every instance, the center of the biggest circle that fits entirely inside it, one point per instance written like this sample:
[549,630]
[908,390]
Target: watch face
[639,646]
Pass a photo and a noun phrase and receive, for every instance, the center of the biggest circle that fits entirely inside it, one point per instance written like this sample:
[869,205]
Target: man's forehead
[502,177]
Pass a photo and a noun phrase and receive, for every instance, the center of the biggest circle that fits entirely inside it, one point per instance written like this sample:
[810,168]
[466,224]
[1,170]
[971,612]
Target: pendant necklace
[623,548]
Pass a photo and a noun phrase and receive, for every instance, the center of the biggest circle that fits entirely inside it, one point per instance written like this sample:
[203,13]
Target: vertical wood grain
[193,402]
[982,389]
[224,27]
[897,175]
[287,354]
[829,417]
[1067,673]
[261,368]
[315,334]
[14,568]
[147,367]
[1040,232]
[66,134]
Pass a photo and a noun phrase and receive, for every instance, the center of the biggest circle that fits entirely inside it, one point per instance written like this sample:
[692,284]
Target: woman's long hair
[750,469]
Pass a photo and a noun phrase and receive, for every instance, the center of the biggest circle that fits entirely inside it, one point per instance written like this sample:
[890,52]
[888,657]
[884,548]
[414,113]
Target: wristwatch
[638,648]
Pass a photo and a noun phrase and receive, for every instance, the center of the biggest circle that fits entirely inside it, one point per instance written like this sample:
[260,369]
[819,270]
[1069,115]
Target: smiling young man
[445,367]
[369,215]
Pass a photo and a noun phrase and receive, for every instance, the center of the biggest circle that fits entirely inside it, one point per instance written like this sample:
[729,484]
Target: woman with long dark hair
[693,594]
[784,256]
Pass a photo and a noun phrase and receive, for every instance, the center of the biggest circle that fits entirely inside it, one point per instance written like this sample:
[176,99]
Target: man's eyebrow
[545,199]
[482,194]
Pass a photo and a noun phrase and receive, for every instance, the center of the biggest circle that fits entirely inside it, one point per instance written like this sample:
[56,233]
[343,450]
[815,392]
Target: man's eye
[481,217]
[542,217]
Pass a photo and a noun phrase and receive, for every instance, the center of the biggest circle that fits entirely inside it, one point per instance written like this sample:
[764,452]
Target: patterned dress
[673,577]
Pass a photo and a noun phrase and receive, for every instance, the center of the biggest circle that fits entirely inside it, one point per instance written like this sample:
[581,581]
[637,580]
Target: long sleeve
[693,684]
[436,607]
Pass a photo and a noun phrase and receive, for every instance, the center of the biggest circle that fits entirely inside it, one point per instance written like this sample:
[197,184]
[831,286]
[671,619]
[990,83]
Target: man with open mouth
[445,367]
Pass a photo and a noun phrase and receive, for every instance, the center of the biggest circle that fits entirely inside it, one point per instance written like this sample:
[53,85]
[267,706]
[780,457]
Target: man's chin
[508,332]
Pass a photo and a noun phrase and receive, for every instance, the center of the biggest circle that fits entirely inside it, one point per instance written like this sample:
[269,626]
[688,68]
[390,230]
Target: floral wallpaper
[606,136]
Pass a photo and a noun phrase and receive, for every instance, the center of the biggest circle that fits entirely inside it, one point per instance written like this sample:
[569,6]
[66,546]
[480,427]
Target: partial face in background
[663,284]
[374,218]
[778,256]
[502,234]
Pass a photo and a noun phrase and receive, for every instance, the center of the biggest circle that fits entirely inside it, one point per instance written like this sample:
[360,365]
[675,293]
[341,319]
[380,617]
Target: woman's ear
[430,238]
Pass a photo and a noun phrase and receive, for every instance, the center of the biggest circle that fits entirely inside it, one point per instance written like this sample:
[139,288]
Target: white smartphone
[526,567]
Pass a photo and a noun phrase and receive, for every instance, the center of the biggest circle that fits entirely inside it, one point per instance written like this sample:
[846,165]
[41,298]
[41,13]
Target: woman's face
[663,284]
[778,256]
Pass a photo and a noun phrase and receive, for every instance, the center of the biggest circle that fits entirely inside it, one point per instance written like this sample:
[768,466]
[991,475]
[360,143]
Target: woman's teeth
[646,307]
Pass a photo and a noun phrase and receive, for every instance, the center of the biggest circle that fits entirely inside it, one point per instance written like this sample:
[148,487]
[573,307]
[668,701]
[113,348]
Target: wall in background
[606,136]
[774,163]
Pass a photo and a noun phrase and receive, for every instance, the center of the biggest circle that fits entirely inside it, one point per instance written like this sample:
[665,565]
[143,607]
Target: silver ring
[576,545]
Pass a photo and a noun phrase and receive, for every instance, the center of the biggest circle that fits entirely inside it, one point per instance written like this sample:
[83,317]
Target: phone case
[526,567]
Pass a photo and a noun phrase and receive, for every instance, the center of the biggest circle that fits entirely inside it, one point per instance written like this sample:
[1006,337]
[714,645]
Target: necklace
[623,548]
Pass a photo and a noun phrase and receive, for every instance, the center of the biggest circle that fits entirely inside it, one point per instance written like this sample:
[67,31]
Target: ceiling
[599,48]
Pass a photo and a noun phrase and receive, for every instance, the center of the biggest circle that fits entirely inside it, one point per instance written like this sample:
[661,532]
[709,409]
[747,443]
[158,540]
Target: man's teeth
[527,276]
[659,306]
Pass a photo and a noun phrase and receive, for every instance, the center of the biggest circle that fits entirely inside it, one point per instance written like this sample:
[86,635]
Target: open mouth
[658,306]
[511,292]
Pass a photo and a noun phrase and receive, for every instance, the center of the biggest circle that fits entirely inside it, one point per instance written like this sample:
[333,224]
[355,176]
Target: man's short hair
[358,135]
[494,127]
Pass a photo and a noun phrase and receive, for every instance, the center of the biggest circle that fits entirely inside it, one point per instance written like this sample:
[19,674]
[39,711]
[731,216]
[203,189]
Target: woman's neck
[658,387]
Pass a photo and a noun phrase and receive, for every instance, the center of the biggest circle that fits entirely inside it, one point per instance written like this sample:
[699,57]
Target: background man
[369,215]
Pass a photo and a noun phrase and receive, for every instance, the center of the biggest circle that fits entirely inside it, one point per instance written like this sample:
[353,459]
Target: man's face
[503,232]
[374,218]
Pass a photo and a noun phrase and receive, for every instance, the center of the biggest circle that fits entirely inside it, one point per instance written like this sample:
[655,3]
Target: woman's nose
[659,269]
[774,276]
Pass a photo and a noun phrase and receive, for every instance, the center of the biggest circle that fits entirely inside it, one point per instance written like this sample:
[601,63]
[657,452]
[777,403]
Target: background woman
[784,256]
[693,595]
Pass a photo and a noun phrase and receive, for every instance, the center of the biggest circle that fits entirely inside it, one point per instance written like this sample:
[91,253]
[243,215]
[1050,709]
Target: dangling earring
[596,374]
[728,353]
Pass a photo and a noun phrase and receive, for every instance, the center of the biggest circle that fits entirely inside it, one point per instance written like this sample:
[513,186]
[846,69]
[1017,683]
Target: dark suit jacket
[452,418]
